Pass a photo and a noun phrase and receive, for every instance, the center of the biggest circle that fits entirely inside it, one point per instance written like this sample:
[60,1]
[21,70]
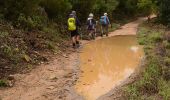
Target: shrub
[13,8]
[165,12]
[3,83]
[164,88]
[30,23]
[56,8]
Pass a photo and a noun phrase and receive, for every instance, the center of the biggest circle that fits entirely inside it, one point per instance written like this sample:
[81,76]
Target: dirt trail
[52,81]
[55,81]
[127,29]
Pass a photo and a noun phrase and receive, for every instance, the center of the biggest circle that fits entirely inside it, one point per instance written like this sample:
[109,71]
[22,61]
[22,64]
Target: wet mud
[106,63]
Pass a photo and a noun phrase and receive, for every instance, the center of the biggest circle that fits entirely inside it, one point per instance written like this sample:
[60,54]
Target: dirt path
[127,29]
[54,81]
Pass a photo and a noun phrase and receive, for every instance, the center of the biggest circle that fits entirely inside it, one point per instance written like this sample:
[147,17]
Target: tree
[13,8]
[102,6]
[164,13]
[56,8]
[83,7]
[125,9]
[147,7]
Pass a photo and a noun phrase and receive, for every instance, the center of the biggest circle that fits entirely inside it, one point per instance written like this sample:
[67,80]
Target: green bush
[147,7]
[4,34]
[164,11]
[56,8]
[3,83]
[166,44]
[13,8]
[142,33]
[102,6]
[31,23]
[155,37]
[7,50]
[164,88]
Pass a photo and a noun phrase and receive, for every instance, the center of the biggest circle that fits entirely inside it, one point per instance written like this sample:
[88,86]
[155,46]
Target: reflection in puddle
[106,63]
[134,49]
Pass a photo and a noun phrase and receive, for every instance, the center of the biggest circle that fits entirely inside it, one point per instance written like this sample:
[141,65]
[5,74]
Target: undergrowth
[154,83]
[3,83]
[21,49]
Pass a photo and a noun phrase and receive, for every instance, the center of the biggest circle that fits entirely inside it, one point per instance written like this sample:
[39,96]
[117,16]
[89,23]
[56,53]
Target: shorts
[91,28]
[105,25]
[74,33]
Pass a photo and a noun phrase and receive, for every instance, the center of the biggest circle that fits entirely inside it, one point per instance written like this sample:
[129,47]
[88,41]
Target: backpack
[90,24]
[103,20]
[71,24]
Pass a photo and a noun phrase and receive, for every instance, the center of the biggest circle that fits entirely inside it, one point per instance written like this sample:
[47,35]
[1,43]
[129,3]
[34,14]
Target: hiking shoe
[101,35]
[77,42]
[78,45]
[74,45]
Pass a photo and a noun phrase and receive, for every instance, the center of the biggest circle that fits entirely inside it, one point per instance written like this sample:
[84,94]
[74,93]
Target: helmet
[91,15]
[105,14]
[74,12]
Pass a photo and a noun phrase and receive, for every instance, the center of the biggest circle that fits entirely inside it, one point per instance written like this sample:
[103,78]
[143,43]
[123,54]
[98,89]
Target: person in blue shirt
[105,22]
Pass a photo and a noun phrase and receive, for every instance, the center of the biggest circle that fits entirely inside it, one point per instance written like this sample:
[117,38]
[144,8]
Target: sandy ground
[51,81]
[55,81]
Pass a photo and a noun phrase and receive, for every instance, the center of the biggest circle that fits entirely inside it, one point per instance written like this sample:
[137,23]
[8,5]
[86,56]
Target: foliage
[13,8]
[125,9]
[164,12]
[30,23]
[102,6]
[3,83]
[147,7]
[56,8]
[154,81]
[82,7]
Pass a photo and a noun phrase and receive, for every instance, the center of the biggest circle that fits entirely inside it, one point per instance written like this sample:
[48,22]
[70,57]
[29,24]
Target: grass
[114,26]
[154,82]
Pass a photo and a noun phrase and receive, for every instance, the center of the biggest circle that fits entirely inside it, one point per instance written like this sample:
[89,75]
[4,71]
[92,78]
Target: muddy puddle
[106,63]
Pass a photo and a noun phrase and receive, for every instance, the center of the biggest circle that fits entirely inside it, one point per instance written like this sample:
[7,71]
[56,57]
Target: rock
[53,77]
[64,55]
[69,75]
[50,70]
[51,87]
[11,77]
[11,83]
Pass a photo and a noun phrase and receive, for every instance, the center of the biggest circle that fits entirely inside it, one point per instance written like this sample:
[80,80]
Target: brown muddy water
[106,63]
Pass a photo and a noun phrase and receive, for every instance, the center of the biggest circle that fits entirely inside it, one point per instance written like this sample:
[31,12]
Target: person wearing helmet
[78,24]
[91,23]
[105,22]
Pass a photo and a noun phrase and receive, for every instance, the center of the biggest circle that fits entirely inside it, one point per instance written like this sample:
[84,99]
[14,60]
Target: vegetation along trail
[57,80]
